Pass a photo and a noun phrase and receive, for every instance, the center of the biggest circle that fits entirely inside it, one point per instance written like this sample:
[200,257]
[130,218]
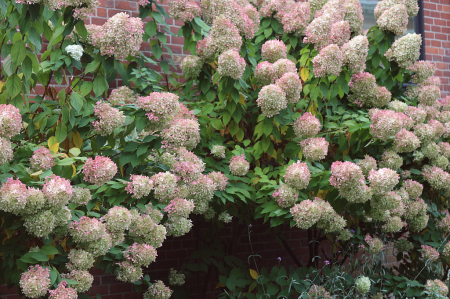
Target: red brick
[5,291]
[120,288]
[107,3]
[435,14]
[440,22]
[432,50]
[435,28]
[97,21]
[441,36]
[436,43]
[430,6]
[126,5]
[102,290]
[102,12]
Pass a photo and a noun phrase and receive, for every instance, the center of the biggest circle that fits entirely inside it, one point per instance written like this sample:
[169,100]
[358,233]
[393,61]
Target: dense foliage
[289,113]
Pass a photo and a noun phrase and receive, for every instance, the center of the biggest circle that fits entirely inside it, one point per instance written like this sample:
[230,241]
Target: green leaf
[157,51]
[27,258]
[324,89]
[81,29]
[165,66]
[208,108]
[13,85]
[86,88]
[61,132]
[35,39]
[18,52]
[233,127]
[39,256]
[150,28]
[49,249]
[217,124]
[142,149]
[162,37]
[91,67]
[99,85]
[157,16]
[76,100]
[53,276]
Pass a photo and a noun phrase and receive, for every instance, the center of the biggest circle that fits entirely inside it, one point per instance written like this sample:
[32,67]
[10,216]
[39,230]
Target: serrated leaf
[18,52]
[304,74]
[49,250]
[76,100]
[13,85]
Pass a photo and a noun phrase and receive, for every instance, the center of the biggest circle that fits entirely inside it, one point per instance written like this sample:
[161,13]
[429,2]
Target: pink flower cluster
[10,121]
[6,151]
[187,165]
[297,18]
[349,179]
[405,50]
[429,253]
[297,175]
[129,272]
[271,100]
[164,184]
[80,259]
[160,107]
[387,123]
[158,291]
[375,244]
[422,71]
[219,179]
[306,126]
[118,219]
[122,96]
[436,286]
[178,227]
[291,85]
[141,254]
[13,196]
[191,66]
[328,62]
[179,207]
[314,149]
[367,164]
[35,282]
[120,36]
[406,142]
[99,170]
[140,186]
[239,166]
[394,19]
[63,291]
[109,118]
[87,230]
[428,95]
[365,91]
[230,63]
[57,191]
[383,180]
[354,53]
[273,50]
[42,159]
[437,177]
[286,196]
[184,10]
[354,15]
[181,133]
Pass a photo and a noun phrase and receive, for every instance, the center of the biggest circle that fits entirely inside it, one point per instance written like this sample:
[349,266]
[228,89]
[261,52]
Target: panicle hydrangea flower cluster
[35,201]
[314,149]
[87,230]
[178,227]
[122,96]
[80,196]
[218,151]
[158,291]
[239,166]
[120,36]
[436,287]
[129,272]
[406,142]
[160,108]
[277,7]
[42,159]
[6,151]
[179,207]
[367,164]
[390,159]
[10,121]
[57,191]
[425,133]
[297,18]
[164,184]
[286,196]
[99,170]
[413,188]
[297,175]
[281,67]
[187,165]
[348,178]
[418,115]
[353,14]
[219,179]
[13,196]
[365,91]
[405,50]
[329,221]
[393,224]
[176,279]
[225,217]
[318,31]
[201,191]
[428,95]
[63,291]
[429,253]
[422,71]
[414,208]
[340,33]
[306,213]
[362,284]
[394,19]
[82,8]
[35,281]
[231,64]
[403,245]
[80,259]
[75,51]
[437,177]
[306,126]
[273,50]
[375,244]
[271,100]
[223,36]
[140,186]
[446,253]
[181,133]
[291,85]
[155,214]
[397,106]
[445,149]
[141,254]
[184,10]
[40,224]
[191,66]
[109,118]
[118,219]
[354,53]
[263,72]
[383,180]
[386,124]
[328,61]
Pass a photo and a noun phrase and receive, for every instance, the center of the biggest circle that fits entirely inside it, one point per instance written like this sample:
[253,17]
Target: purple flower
[352,230]
[327,262]
[250,225]
[279,259]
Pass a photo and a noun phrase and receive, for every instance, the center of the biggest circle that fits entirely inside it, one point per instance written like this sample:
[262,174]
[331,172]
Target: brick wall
[437,39]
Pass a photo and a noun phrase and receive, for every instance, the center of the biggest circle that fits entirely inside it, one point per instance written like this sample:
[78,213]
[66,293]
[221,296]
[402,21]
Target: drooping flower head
[184,10]
[422,71]
[140,186]
[164,184]
[354,53]
[286,196]
[160,107]
[179,207]
[386,124]
[158,291]
[122,96]
[405,50]
[57,191]
[353,14]
[13,196]
[429,253]
[63,291]
[340,33]
[428,95]
[328,62]
[297,18]
[99,170]
[318,31]
[390,159]
[129,272]
[141,254]
[367,164]
[181,133]
[40,224]
[219,179]
[80,259]
[263,72]
[383,180]
[306,213]
[394,19]
[191,65]
[178,227]
[87,229]
[297,175]
[10,121]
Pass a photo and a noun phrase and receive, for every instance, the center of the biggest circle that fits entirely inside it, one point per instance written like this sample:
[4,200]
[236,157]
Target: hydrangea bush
[289,113]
